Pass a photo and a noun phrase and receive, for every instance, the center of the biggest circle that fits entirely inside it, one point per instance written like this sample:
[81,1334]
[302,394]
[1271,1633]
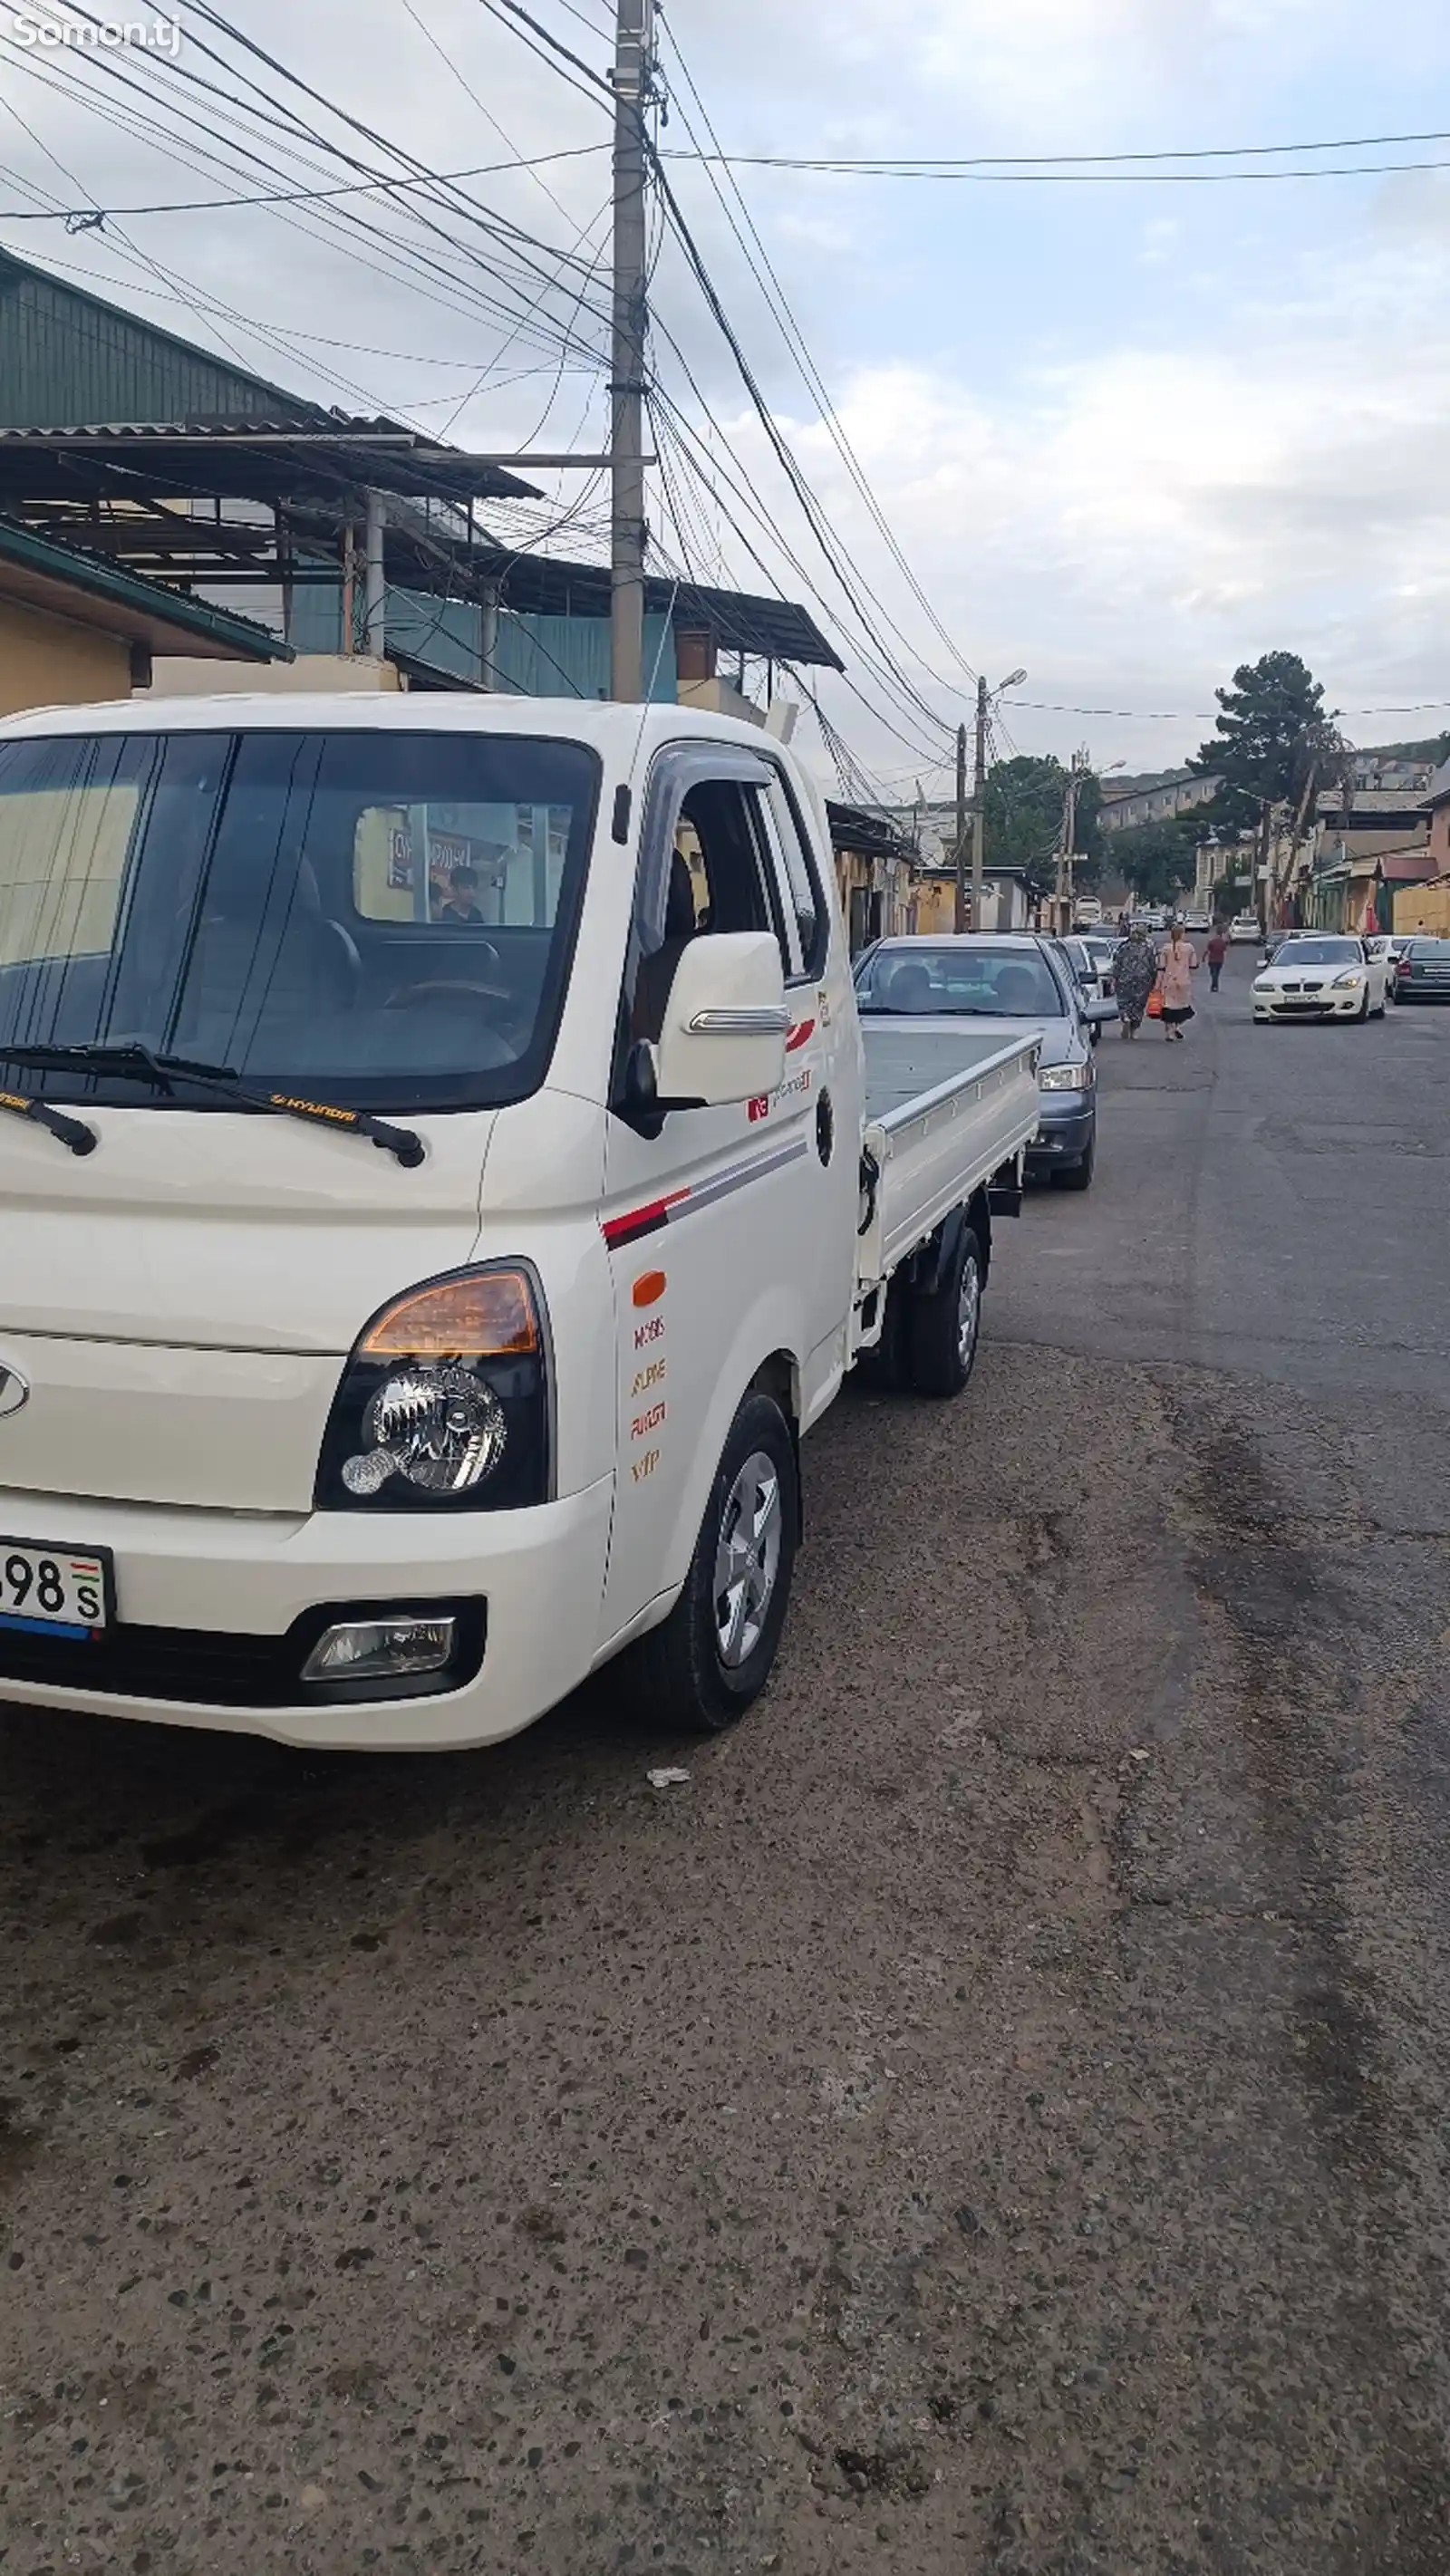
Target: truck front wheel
[712,1656]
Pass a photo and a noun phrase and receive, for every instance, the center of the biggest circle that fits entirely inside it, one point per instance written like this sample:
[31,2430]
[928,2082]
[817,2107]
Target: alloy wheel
[747,1559]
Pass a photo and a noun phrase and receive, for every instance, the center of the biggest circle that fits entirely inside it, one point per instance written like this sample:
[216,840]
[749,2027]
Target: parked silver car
[1091,958]
[1004,981]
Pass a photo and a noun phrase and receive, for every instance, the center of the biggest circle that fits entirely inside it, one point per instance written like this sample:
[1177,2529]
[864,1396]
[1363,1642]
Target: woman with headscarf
[1135,970]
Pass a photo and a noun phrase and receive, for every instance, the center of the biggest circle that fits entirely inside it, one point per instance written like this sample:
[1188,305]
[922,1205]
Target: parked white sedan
[1320,978]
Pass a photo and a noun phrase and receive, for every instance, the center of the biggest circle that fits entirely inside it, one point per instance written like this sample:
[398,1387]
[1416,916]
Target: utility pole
[633,58]
[375,588]
[347,640]
[1065,904]
[979,807]
[961,910]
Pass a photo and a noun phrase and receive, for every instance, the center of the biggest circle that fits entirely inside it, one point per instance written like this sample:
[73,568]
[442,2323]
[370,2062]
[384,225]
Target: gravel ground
[988,2118]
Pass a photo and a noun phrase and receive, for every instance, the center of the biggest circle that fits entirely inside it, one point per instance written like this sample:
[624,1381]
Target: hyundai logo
[14,1390]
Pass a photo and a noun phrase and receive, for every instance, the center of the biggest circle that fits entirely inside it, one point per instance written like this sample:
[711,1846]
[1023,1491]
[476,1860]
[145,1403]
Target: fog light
[379,1649]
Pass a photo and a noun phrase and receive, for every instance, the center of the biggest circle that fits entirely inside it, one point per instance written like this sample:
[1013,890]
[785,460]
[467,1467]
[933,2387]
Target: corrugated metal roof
[302,426]
[873,835]
[262,459]
[777,630]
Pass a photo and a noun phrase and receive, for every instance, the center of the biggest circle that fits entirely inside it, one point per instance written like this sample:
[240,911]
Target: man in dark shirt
[462,904]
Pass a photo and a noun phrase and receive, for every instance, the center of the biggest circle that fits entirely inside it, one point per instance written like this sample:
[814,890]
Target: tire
[1079,1175]
[945,1326]
[1362,1013]
[691,1673]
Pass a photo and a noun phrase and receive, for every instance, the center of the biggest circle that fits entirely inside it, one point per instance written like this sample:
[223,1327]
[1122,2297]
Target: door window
[808,914]
[721,878]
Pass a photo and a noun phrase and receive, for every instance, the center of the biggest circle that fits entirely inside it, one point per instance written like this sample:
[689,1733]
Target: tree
[1271,740]
[1157,860]
[1025,804]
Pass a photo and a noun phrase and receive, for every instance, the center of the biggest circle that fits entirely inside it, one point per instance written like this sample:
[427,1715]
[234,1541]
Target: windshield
[1429,947]
[967,975]
[1319,952]
[382,919]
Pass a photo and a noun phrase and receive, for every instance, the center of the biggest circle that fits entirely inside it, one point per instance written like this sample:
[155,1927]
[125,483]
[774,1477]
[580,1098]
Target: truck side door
[729,1229]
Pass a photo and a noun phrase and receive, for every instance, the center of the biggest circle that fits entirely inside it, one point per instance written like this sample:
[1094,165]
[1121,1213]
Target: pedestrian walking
[1177,964]
[1216,951]
[1134,971]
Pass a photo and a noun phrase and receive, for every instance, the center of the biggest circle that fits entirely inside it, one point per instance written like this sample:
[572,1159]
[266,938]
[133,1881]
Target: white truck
[441,1181]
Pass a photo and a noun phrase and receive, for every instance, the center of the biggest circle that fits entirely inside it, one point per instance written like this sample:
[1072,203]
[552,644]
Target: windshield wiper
[72,1132]
[956,1011]
[132,1055]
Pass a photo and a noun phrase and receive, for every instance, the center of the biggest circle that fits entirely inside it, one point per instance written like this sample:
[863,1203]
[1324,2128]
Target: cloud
[1127,437]
[1026,74]
[1149,517]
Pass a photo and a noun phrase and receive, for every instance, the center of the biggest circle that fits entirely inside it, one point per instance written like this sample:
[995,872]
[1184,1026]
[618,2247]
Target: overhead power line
[378,187]
[777,302]
[719,160]
[1064,177]
[825,536]
[1204,715]
[537,37]
[892,161]
[714,472]
[514,269]
[1043,168]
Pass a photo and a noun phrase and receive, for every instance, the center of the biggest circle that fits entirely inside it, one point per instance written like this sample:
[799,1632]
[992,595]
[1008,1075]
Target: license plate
[49,1591]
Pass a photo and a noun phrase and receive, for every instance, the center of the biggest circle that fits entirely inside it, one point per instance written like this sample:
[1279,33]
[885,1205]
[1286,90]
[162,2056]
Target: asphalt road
[990,2118]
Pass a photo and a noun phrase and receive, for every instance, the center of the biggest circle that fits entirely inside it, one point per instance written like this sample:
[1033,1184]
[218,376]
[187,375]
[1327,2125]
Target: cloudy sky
[1125,435]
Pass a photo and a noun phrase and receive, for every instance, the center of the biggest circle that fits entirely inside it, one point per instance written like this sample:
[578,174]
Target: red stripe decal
[641,1220]
[798,1035]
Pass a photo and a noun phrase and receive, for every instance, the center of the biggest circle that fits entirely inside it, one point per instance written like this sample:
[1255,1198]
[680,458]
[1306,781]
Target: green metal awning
[62,580]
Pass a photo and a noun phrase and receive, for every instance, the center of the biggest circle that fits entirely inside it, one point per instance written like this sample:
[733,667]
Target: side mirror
[725,1022]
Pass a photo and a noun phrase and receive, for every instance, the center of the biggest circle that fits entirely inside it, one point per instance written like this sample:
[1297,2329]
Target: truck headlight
[444,1401]
[1065,1077]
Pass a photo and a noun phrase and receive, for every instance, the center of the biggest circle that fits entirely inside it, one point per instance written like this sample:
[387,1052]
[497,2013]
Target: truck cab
[384,1269]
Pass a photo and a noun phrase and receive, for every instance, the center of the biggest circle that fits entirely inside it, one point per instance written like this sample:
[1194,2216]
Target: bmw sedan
[1004,985]
[1320,977]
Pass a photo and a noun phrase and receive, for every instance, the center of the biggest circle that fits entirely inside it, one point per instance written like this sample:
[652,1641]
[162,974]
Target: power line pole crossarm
[633,63]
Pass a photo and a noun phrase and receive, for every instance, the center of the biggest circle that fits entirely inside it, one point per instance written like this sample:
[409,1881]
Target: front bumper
[1308,1006]
[1065,1123]
[537,1574]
